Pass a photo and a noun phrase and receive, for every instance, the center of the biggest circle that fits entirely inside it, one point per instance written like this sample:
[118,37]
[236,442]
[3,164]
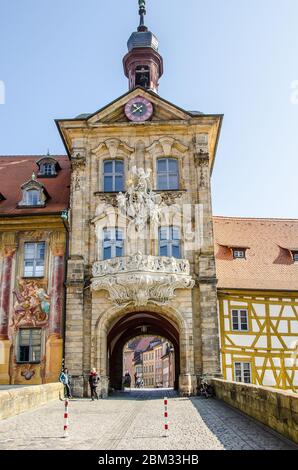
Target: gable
[114,112]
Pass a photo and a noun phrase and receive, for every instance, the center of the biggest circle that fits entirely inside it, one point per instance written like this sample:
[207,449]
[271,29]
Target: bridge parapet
[277,409]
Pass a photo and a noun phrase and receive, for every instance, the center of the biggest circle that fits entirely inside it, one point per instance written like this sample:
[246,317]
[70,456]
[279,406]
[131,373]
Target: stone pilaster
[205,266]
[8,252]
[54,346]
[74,331]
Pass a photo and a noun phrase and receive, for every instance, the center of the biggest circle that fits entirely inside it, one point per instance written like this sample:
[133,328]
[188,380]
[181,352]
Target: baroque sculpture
[139,203]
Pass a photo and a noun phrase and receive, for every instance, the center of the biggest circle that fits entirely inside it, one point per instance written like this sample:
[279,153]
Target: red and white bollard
[166,425]
[66,418]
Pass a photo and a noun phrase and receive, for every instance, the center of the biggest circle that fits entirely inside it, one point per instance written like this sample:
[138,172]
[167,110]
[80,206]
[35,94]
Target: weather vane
[142,12]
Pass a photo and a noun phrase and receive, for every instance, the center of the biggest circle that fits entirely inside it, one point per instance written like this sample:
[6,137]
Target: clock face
[139,109]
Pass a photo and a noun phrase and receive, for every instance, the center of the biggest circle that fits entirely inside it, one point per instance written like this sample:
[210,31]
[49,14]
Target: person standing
[65,379]
[93,382]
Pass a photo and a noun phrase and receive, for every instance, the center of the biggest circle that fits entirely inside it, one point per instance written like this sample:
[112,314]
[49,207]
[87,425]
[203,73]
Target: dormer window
[34,194]
[239,253]
[32,197]
[48,167]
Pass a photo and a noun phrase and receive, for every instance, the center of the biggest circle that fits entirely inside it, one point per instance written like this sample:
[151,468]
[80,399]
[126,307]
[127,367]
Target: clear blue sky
[60,58]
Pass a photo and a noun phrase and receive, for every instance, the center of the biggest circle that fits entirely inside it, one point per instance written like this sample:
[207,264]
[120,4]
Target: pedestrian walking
[65,379]
[93,382]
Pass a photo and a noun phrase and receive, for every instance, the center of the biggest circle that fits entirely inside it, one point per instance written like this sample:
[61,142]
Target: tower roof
[142,39]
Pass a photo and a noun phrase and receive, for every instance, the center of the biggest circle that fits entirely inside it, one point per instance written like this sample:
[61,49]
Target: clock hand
[138,108]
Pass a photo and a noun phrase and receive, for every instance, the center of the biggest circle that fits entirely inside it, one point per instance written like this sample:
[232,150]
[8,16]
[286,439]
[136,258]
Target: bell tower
[143,65]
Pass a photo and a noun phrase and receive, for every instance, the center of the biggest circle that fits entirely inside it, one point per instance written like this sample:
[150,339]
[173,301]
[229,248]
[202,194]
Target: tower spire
[142,13]
[143,65]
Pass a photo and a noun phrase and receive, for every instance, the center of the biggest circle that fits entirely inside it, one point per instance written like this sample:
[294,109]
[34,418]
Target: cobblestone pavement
[135,421]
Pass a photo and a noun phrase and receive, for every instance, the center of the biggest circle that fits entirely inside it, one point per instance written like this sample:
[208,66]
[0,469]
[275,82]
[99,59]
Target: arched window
[33,197]
[113,175]
[167,174]
[169,242]
[113,243]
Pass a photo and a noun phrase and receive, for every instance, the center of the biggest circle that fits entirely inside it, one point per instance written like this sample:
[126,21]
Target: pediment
[114,112]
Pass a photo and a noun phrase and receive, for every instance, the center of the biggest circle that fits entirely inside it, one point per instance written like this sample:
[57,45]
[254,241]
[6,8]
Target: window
[295,256]
[169,242]
[243,372]
[113,175]
[34,257]
[29,349]
[33,197]
[113,243]
[238,253]
[48,169]
[167,174]
[239,320]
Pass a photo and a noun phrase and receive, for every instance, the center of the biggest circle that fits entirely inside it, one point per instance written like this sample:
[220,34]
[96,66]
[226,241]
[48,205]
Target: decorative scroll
[140,279]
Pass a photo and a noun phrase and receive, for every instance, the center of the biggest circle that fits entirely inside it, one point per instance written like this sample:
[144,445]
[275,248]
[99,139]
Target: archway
[130,326]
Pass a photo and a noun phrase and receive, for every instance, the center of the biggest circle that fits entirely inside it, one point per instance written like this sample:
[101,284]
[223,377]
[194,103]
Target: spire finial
[142,13]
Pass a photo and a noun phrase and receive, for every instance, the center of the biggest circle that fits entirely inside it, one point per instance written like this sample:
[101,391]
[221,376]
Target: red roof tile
[268,263]
[16,170]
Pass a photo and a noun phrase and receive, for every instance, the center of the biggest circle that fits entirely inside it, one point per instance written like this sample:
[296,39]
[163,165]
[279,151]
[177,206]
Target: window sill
[27,362]
[32,277]
[25,206]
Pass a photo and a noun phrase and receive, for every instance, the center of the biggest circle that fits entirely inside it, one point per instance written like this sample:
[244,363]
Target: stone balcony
[140,279]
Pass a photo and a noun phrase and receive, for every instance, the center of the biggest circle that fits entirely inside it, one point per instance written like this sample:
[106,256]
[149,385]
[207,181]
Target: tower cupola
[143,65]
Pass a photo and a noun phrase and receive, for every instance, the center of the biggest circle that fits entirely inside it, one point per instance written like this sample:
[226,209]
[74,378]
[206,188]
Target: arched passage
[130,326]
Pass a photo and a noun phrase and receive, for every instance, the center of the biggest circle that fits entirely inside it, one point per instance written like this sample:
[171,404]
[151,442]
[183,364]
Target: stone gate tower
[141,253]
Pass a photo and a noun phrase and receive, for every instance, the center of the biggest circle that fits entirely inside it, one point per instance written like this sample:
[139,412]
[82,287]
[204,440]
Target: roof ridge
[34,156]
[223,217]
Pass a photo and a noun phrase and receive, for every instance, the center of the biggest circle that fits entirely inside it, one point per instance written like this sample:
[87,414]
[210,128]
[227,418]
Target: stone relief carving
[113,146]
[78,160]
[140,203]
[167,144]
[140,279]
[27,371]
[32,305]
[170,197]
[140,262]
[201,157]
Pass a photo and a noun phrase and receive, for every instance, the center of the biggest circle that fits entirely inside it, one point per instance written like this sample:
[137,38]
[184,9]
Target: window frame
[28,192]
[34,260]
[169,242]
[238,251]
[44,169]
[113,174]
[19,345]
[167,174]
[113,242]
[240,328]
[242,362]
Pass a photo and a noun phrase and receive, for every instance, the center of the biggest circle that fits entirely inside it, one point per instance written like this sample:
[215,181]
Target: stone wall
[18,400]
[277,409]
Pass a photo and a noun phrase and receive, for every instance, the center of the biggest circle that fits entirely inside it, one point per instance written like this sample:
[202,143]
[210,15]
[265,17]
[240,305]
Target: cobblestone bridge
[134,421]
